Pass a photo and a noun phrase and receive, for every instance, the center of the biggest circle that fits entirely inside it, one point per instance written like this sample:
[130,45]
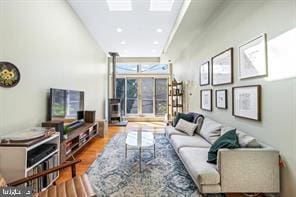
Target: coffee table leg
[154,150]
[125,151]
[140,158]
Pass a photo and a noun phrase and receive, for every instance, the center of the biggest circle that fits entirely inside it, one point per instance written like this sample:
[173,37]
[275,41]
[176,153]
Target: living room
[63,46]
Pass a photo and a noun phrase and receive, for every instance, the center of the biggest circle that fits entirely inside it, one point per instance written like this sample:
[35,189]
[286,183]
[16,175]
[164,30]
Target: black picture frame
[225,102]
[210,94]
[256,101]
[215,63]
[207,66]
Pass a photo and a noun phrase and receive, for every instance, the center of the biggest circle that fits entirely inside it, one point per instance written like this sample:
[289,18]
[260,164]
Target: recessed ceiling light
[161,5]
[119,29]
[123,42]
[159,30]
[119,5]
[155,42]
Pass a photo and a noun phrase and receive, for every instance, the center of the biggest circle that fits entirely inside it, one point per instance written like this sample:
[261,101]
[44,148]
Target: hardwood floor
[90,152]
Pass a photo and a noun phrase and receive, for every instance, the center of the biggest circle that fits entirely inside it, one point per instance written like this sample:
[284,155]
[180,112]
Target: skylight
[119,5]
[161,5]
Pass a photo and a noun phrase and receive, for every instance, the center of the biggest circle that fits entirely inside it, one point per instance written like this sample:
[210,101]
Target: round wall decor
[9,75]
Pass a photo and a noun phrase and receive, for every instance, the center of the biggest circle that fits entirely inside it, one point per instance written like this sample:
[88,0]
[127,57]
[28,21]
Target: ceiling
[139,36]
[196,19]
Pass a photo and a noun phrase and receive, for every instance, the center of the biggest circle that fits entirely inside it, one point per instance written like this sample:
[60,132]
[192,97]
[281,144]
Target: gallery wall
[234,24]
[52,49]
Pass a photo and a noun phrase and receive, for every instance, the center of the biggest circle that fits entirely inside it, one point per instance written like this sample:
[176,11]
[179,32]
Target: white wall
[51,48]
[238,22]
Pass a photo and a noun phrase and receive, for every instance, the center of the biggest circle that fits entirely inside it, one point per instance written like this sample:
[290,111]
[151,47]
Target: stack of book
[42,182]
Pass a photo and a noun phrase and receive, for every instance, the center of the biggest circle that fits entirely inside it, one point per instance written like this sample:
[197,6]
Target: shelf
[36,164]
[176,94]
[179,105]
[75,133]
[175,97]
[176,84]
[44,141]
[78,137]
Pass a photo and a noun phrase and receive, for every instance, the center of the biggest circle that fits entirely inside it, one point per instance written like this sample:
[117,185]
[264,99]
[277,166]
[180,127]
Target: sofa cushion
[170,130]
[227,140]
[195,160]
[186,127]
[210,130]
[180,141]
[188,117]
[245,140]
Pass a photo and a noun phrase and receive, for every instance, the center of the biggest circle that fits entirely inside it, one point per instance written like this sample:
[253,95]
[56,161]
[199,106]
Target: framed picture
[221,99]
[204,74]
[253,58]
[246,102]
[222,68]
[206,99]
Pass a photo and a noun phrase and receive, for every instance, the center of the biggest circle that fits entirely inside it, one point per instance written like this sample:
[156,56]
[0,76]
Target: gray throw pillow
[210,130]
[245,140]
[186,127]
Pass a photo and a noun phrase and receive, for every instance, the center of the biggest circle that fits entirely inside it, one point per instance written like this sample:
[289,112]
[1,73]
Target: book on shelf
[42,182]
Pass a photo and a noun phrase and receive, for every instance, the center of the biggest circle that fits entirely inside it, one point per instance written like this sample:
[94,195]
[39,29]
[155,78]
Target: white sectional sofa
[253,168]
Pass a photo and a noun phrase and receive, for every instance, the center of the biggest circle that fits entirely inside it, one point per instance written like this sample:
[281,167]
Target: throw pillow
[187,117]
[210,130]
[186,127]
[245,141]
[228,140]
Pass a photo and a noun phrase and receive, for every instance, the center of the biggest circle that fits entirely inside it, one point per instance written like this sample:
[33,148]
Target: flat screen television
[64,103]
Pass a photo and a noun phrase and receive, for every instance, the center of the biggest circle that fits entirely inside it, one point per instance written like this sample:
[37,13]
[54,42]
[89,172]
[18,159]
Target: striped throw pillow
[186,127]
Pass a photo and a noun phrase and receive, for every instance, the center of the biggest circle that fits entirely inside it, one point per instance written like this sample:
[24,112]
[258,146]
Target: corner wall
[238,22]
[52,49]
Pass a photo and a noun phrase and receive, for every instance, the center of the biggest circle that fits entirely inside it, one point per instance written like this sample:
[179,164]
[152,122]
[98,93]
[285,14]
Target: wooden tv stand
[77,138]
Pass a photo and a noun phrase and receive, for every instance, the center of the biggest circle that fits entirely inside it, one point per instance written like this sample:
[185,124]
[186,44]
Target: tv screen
[65,103]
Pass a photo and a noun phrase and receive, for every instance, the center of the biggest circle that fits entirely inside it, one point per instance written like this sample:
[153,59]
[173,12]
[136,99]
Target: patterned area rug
[113,175]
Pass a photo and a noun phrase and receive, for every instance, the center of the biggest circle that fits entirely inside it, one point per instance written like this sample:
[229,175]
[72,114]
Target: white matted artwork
[206,99]
[204,74]
[221,99]
[222,66]
[253,58]
[246,102]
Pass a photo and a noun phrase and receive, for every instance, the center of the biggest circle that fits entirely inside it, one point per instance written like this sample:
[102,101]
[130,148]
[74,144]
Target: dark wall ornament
[9,75]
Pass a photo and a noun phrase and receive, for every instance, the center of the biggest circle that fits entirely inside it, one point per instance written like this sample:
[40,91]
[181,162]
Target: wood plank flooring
[90,152]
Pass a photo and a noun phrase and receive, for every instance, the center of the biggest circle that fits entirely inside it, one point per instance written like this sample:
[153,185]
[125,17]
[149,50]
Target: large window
[142,88]
[127,68]
[154,68]
[142,69]
[142,95]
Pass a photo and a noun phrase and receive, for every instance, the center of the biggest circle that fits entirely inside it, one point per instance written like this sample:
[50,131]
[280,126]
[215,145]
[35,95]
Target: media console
[77,138]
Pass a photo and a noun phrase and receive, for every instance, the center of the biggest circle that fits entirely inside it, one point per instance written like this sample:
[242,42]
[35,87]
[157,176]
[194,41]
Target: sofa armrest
[250,170]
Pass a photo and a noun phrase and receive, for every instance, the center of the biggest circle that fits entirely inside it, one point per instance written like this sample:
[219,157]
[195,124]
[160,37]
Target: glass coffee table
[139,140]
